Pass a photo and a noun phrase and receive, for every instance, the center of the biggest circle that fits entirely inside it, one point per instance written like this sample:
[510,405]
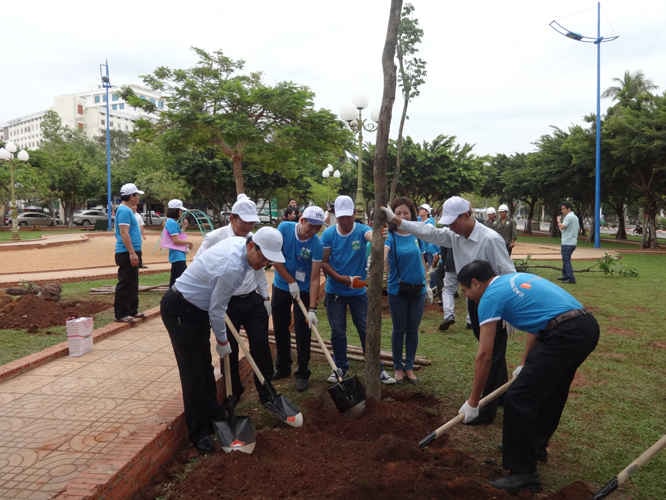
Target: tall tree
[411,76]
[373,336]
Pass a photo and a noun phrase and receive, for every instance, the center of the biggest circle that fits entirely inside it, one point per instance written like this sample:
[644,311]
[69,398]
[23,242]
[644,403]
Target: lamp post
[597,40]
[7,154]
[106,83]
[354,118]
[326,173]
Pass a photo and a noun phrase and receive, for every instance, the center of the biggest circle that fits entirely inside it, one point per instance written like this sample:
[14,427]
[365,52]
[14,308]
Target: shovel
[278,405]
[347,394]
[236,433]
[459,417]
[629,470]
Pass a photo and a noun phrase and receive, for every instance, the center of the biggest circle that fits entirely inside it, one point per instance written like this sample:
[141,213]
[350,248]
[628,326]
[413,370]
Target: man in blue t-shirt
[297,277]
[561,334]
[127,256]
[344,262]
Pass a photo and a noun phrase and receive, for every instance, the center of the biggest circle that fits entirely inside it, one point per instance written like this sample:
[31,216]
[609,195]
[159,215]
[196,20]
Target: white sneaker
[385,378]
[332,378]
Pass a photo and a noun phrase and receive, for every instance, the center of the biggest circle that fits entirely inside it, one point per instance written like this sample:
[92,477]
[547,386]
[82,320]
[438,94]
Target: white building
[85,111]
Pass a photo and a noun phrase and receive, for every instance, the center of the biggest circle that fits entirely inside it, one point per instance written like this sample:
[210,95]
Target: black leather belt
[244,296]
[565,316]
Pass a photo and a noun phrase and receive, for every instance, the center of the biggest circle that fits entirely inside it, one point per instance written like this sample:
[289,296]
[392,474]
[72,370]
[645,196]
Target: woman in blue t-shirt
[175,239]
[403,255]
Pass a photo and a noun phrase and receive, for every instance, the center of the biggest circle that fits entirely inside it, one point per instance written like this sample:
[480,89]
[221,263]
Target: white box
[79,335]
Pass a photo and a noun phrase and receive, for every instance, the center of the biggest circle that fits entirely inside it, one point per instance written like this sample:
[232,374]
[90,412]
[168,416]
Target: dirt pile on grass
[30,312]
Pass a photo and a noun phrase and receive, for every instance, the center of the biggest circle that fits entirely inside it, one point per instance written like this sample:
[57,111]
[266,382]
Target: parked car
[153,218]
[35,219]
[88,217]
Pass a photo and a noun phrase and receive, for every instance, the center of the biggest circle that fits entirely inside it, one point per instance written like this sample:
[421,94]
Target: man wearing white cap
[199,301]
[470,241]
[250,305]
[345,261]
[430,251]
[127,256]
[297,277]
[491,217]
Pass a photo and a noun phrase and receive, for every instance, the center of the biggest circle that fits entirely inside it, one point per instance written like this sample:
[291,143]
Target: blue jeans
[336,309]
[567,270]
[406,315]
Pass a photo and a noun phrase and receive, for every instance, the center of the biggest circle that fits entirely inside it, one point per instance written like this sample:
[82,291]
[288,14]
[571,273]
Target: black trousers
[498,374]
[282,303]
[126,301]
[533,404]
[189,330]
[249,311]
[177,268]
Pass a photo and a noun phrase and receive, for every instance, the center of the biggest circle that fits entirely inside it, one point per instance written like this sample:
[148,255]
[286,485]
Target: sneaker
[516,482]
[444,325]
[139,315]
[125,319]
[385,378]
[301,384]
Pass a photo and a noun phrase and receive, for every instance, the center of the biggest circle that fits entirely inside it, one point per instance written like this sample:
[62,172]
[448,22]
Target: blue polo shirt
[525,300]
[299,256]
[348,257]
[125,216]
[407,265]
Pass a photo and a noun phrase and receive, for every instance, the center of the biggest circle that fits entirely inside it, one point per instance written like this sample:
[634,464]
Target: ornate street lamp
[597,41]
[106,83]
[354,118]
[7,154]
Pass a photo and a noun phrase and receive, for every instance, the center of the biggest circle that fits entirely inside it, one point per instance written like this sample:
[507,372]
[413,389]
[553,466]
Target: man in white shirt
[198,301]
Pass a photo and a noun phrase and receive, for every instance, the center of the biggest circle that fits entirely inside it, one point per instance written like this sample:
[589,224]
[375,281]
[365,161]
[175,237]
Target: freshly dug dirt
[30,312]
[332,456]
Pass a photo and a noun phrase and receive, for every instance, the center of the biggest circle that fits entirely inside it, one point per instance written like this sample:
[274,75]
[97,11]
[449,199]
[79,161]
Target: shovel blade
[284,410]
[348,396]
[237,434]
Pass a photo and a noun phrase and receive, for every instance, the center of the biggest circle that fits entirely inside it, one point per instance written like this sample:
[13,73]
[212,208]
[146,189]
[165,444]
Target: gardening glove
[357,282]
[429,295]
[267,305]
[294,290]
[223,348]
[312,317]
[390,216]
[517,371]
[469,412]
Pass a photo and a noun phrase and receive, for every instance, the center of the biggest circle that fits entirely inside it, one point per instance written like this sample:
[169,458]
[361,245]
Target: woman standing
[175,239]
[403,255]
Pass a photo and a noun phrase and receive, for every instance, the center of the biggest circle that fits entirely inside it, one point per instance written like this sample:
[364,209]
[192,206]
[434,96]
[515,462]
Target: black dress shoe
[444,325]
[205,445]
[278,374]
[516,482]
[301,384]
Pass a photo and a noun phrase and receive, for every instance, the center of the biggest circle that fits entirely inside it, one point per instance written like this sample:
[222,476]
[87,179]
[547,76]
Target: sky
[498,76]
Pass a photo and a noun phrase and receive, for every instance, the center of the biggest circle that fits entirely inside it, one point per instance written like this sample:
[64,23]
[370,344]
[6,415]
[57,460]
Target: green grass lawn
[616,408]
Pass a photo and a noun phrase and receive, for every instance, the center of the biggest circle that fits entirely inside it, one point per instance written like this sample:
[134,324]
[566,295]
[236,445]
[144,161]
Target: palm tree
[632,90]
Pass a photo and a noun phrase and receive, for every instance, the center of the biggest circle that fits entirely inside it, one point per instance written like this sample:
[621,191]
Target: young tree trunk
[237,166]
[373,333]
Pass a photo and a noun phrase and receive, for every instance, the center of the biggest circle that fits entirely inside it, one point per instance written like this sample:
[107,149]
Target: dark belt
[244,296]
[565,316]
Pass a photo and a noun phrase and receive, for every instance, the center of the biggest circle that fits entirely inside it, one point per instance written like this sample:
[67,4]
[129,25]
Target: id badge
[300,276]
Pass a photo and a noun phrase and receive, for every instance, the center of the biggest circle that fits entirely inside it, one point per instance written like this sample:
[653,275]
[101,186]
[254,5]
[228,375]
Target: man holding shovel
[297,277]
[197,302]
[469,240]
[561,334]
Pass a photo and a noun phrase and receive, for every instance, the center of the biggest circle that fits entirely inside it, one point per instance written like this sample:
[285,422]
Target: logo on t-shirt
[356,245]
[306,254]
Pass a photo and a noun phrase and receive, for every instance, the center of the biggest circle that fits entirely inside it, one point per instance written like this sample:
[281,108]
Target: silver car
[88,217]
[36,219]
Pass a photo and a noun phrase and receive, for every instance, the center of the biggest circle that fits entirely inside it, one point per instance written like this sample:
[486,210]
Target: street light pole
[354,118]
[7,154]
[597,167]
[106,83]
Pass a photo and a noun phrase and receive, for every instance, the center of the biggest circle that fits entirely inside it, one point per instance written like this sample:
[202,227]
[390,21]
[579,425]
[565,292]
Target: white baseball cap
[426,207]
[503,208]
[314,215]
[491,210]
[452,208]
[129,189]
[344,206]
[176,203]
[269,241]
[245,209]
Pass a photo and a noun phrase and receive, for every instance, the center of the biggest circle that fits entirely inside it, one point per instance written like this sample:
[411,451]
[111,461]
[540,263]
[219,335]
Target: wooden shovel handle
[245,350]
[316,332]
[227,376]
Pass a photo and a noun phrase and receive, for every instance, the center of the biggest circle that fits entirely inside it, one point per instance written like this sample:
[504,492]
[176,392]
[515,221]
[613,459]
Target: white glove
[223,348]
[517,371]
[312,318]
[267,305]
[294,290]
[390,216]
[429,295]
[469,412]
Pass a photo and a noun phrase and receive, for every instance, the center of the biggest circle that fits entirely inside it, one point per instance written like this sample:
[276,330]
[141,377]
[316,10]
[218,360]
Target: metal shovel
[631,468]
[236,433]
[347,394]
[459,417]
[278,405]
